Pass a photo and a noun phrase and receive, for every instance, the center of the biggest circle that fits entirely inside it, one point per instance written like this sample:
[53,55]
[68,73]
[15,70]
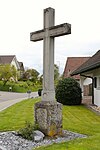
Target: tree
[41,79]
[31,74]
[56,72]
[7,72]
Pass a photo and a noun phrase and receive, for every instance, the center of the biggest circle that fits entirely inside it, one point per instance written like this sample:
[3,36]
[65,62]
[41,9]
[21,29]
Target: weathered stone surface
[47,34]
[48,113]
[42,116]
[48,116]
[2,148]
[38,136]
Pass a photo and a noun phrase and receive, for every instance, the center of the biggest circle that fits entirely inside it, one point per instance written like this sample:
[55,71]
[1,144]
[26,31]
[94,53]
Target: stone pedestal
[48,116]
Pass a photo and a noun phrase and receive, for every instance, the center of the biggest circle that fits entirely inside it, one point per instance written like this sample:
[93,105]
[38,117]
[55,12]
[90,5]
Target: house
[9,59]
[21,69]
[91,69]
[72,64]
[12,60]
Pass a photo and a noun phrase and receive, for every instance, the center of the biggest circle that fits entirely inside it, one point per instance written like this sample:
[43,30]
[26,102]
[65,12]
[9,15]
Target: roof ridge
[91,63]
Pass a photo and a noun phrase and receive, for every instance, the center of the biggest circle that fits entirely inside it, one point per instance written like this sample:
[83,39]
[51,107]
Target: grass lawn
[14,117]
[75,118]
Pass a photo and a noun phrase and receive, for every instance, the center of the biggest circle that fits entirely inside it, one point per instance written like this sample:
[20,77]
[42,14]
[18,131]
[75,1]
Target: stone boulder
[38,136]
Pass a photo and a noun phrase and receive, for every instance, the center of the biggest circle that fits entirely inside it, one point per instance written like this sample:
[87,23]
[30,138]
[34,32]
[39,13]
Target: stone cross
[47,35]
[48,113]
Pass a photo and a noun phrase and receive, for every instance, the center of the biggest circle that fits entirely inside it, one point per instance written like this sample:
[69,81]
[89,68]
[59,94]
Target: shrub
[68,92]
[23,84]
[29,83]
[27,131]
[19,86]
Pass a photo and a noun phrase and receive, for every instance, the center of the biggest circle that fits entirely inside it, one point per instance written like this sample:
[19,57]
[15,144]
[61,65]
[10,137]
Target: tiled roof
[92,63]
[72,64]
[6,59]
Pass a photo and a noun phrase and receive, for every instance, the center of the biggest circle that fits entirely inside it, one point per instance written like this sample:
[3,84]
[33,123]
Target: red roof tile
[72,64]
[92,63]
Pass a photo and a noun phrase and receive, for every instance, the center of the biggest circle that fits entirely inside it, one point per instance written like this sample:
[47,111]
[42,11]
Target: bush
[68,92]
[27,131]
[23,85]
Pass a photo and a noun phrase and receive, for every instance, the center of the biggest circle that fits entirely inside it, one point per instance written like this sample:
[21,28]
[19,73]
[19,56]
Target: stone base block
[48,116]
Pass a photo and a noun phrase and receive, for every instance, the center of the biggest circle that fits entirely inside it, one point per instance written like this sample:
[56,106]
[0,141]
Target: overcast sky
[20,17]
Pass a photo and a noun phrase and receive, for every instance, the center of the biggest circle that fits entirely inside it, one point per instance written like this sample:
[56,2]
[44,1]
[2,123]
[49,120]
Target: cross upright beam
[47,35]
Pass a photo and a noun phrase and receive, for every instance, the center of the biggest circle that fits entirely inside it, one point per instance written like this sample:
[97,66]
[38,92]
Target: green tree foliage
[41,79]
[56,72]
[68,92]
[31,74]
[8,72]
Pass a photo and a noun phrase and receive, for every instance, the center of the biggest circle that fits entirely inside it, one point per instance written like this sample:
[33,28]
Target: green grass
[75,118]
[79,119]
[14,117]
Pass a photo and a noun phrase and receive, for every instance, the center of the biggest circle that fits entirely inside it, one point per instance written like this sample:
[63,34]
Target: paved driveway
[9,98]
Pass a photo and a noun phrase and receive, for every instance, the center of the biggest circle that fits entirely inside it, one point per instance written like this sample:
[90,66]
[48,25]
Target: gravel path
[11,140]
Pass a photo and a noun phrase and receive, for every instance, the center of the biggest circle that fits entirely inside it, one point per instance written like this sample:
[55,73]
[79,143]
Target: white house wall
[15,63]
[84,81]
[87,81]
[97,97]
[81,83]
[97,90]
[94,73]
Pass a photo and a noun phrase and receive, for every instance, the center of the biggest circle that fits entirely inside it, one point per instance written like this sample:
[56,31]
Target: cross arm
[59,30]
[37,35]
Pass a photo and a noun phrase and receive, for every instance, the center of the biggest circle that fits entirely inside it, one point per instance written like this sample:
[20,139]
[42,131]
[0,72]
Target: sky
[20,17]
